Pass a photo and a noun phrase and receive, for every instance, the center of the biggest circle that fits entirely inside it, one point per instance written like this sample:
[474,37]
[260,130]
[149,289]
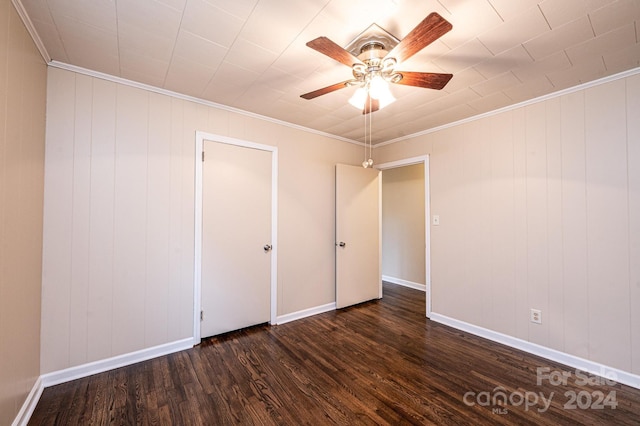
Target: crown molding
[542,98]
[154,89]
[47,58]
[31,29]
[56,64]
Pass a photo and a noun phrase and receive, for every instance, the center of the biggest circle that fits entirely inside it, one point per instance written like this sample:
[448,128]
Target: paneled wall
[540,208]
[119,216]
[403,236]
[22,124]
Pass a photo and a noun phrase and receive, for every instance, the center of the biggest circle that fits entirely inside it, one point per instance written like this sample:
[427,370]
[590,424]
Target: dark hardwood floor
[380,362]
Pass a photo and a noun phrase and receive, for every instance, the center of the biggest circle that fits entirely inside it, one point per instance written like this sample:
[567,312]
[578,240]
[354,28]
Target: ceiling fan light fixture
[386,98]
[359,97]
[373,57]
[379,89]
[395,77]
[388,64]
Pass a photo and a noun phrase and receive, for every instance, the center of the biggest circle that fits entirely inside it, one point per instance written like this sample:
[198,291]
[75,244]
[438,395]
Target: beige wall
[119,231]
[540,208]
[22,117]
[403,240]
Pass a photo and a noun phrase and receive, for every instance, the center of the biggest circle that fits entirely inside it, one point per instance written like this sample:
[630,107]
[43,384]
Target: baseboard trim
[84,370]
[405,283]
[585,365]
[282,319]
[24,415]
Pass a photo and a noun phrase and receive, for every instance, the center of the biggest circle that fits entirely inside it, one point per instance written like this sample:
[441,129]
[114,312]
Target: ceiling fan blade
[326,90]
[370,105]
[429,30]
[332,50]
[427,80]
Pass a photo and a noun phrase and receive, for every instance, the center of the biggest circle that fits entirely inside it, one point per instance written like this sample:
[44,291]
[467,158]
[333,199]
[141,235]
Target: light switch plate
[436,220]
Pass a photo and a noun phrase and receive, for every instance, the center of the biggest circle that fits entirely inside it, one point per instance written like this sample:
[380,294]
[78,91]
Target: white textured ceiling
[251,54]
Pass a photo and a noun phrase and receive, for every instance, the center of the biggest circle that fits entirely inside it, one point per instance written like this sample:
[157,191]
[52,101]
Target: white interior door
[358,241]
[236,233]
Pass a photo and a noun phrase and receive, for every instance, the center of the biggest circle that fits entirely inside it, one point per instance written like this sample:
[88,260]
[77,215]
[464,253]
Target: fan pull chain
[368,162]
[364,162]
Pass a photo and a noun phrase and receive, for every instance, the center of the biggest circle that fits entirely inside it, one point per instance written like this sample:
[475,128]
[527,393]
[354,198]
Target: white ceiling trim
[529,52]
[31,29]
[154,89]
[47,58]
[548,96]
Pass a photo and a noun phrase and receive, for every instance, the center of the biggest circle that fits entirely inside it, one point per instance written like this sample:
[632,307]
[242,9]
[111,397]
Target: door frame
[423,159]
[197,267]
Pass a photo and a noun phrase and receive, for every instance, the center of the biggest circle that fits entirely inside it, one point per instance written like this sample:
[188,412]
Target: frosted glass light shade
[378,89]
[358,98]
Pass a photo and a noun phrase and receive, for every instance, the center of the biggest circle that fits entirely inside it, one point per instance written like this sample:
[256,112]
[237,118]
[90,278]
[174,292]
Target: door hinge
[203,156]
[201,315]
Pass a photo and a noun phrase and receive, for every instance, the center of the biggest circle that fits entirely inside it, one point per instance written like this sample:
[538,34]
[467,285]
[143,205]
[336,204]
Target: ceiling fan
[374,63]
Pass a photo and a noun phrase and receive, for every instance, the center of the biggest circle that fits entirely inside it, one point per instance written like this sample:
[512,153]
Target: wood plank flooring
[380,362]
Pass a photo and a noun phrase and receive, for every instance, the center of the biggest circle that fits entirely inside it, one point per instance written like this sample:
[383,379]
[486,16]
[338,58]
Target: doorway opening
[421,232]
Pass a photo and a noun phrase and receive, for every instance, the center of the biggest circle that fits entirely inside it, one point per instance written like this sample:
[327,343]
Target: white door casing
[424,159]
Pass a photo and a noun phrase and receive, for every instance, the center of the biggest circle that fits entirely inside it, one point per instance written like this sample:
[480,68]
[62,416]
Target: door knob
[341,244]
[267,248]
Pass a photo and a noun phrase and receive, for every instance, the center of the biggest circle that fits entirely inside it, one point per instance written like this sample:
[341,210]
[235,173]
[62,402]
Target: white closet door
[236,233]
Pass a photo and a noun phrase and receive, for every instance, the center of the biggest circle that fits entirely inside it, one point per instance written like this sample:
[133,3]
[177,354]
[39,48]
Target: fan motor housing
[372,54]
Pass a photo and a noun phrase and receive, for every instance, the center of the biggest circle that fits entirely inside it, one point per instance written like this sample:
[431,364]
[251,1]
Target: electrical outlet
[536,316]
